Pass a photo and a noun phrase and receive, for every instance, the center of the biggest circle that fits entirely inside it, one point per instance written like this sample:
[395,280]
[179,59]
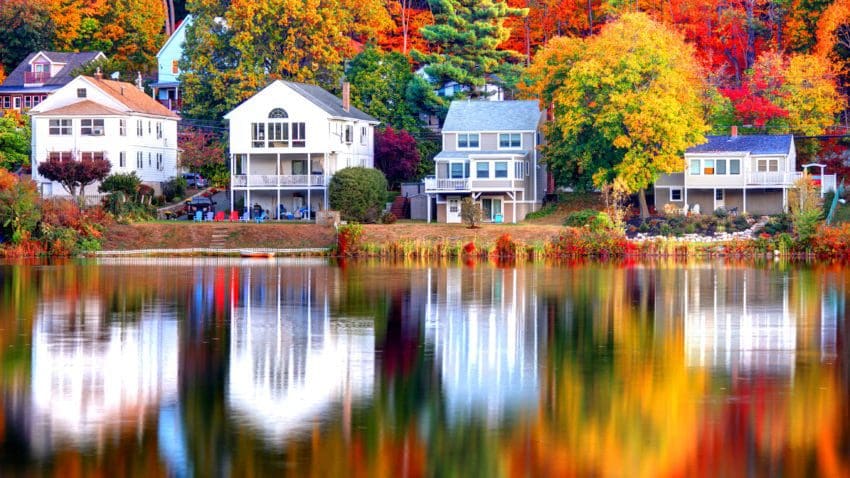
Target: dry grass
[570,202]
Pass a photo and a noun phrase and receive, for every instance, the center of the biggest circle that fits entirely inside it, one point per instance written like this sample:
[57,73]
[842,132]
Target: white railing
[278,180]
[441,184]
[777,178]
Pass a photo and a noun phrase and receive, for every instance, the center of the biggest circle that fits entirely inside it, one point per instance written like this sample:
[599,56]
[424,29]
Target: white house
[288,140]
[95,118]
[744,173]
[490,154]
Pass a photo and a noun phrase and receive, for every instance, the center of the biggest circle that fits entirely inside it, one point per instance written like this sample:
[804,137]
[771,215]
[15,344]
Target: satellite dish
[115,75]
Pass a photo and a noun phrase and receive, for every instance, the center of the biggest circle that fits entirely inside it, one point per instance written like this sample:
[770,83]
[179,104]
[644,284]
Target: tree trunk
[644,209]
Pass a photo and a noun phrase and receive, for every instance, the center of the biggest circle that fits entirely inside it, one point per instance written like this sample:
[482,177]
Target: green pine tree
[464,40]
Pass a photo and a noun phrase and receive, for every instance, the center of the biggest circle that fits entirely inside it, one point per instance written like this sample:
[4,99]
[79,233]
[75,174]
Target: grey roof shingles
[15,81]
[753,144]
[468,115]
[466,153]
[329,102]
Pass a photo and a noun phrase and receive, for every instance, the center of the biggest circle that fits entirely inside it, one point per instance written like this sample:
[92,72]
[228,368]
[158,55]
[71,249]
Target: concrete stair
[219,237]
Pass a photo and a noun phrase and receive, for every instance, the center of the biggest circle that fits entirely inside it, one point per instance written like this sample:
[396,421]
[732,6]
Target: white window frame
[510,140]
[258,135]
[364,135]
[158,130]
[479,163]
[62,127]
[681,195]
[698,167]
[140,129]
[95,127]
[496,170]
[468,140]
[738,161]
[719,195]
[159,165]
[122,127]
[140,160]
[277,134]
[16,101]
[122,159]
[299,135]
[348,134]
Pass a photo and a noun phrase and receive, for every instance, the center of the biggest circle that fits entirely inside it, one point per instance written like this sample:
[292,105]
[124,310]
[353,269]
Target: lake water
[201,367]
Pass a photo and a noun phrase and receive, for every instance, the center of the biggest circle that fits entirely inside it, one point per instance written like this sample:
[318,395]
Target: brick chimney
[734,132]
[346,96]
[98,74]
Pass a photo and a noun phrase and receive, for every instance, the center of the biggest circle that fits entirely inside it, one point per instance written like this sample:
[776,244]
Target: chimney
[734,133]
[346,96]
[139,83]
[98,74]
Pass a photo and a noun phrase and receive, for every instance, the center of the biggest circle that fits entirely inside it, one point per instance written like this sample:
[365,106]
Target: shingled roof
[131,97]
[468,115]
[72,61]
[754,144]
[327,101]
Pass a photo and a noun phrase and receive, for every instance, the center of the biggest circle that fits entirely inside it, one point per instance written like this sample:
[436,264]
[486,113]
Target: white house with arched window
[287,141]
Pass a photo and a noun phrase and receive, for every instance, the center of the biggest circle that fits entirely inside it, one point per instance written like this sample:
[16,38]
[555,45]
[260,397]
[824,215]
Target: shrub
[19,211]
[506,247]
[348,239]
[644,227]
[580,218]
[665,229]
[542,212]
[600,222]
[128,183]
[173,188]
[721,212]
[388,218]
[470,212]
[690,228]
[778,224]
[358,193]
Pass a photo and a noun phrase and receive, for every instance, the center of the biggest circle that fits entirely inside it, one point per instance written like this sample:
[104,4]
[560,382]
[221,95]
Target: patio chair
[209,216]
[219,216]
[234,216]
[245,216]
[199,216]
[695,209]
[262,217]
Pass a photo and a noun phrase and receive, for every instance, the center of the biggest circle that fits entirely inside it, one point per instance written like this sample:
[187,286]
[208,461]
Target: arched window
[278,113]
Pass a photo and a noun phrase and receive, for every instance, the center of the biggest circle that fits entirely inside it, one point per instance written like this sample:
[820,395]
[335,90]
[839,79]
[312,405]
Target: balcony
[279,180]
[172,104]
[773,178]
[442,184]
[36,77]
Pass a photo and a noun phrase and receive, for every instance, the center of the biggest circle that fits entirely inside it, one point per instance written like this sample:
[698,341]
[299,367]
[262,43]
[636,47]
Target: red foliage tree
[396,155]
[73,174]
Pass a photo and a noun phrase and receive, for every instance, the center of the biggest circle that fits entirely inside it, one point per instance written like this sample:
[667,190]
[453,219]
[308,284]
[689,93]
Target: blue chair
[246,216]
[209,216]
[498,219]
[262,217]
[199,216]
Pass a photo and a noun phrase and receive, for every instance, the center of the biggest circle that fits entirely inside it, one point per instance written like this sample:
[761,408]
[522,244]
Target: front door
[453,209]
[719,199]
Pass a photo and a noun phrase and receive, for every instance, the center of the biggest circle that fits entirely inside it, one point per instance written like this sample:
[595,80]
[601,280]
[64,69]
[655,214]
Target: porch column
[685,195]
[784,199]
[277,206]
[325,180]
[428,208]
[745,201]
[309,206]
[715,201]
[277,171]
[513,203]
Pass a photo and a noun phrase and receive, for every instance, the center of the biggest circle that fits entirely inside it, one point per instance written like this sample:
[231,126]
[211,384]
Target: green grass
[542,212]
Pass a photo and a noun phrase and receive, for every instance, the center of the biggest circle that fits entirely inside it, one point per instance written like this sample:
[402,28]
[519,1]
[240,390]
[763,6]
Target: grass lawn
[567,203]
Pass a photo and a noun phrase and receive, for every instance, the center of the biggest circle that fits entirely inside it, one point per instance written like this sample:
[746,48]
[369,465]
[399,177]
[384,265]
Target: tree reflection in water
[228,367]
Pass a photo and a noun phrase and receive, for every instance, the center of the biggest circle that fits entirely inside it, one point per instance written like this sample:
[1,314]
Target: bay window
[501,169]
[482,170]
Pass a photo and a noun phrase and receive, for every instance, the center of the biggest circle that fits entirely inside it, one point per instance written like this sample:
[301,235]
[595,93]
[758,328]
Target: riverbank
[184,235]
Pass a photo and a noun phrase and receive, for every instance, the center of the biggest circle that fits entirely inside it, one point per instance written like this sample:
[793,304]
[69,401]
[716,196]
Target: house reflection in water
[750,321]
[290,364]
[92,374]
[488,342]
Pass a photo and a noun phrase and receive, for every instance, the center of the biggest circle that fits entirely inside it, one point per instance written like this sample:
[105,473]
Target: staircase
[399,207]
[219,237]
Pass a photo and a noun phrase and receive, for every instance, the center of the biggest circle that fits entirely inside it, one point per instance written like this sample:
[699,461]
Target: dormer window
[467,141]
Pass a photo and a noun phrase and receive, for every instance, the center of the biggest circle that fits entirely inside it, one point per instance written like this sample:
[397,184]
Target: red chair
[234,216]
[219,216]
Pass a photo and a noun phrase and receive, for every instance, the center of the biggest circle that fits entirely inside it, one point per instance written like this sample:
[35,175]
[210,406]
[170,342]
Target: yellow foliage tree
[627,103]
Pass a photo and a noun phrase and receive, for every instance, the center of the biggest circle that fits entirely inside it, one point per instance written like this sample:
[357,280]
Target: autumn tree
[14,140]
[464,41]
[74,175]
[788,94]
[627,103]
[203,152]
[26,27]
[396,155]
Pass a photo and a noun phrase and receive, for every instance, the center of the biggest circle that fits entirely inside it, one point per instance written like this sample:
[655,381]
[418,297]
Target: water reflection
[219,367]
[289,362]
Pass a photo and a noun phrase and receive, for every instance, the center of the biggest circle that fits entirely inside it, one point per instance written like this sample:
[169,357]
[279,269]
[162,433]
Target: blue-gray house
[166,90]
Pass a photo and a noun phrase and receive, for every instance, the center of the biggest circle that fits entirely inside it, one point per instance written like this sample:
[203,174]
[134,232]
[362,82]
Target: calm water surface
[301,368]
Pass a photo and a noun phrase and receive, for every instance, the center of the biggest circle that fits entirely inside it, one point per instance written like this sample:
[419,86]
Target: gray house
[490,154]
[748,173]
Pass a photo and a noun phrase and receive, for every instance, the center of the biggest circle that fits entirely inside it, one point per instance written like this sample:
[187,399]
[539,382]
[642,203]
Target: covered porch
[280,204]
[279,170]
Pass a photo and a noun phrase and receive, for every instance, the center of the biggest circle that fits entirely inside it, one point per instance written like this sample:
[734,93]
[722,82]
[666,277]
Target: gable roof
[177,32]
[327,101]
[753,144]
[83,108]
[132,97]
[72,61]
[126,94]
[323,99]
[468,115]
